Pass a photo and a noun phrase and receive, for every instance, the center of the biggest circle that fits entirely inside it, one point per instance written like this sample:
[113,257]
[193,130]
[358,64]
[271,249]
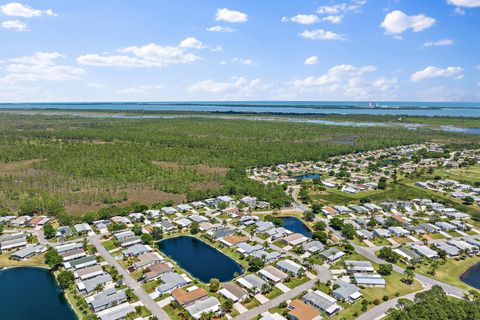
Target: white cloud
[458,12]
[320,34]
[335,13]
[353,6]
[141,90]
[232,16]
[465,3]
[41,66]
[439,43]
[247,62]
[396,22]
[191,42]
[236,87]
[15,24]
[435,72]
[346,81]
[311,60]
[333,19]
[302,19]
[220,29]
[150,55]
[16,9]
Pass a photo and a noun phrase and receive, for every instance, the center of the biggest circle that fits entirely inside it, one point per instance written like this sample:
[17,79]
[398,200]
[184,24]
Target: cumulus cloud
[396,22]
[320,34]
[333,19]
[335,13]
[191,42]
[232,16]
[311,60]
[15,24]
[16,9]
[235,87]
[247,62]
[435,72]
[438,43]
[150,55]
[220,29]
[347,81]
[40,66]
[465,3]
[352,6]
[302,19]
[141,90]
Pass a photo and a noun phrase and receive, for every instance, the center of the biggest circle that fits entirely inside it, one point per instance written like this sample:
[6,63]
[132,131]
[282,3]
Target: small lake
[307,176]
[296,225]
[32,293]
[200,259]
[472,276]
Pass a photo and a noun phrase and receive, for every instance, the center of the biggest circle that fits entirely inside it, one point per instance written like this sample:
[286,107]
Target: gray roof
[90,284]
[255,280]
[345,290]
[449,249]
[202,306]
[289,266]
[107,298]
[369,279]
[117,312]
[220,233]
[320,299]
[171,281]
[27,251]
[313,246]
[248,248]
[136,250]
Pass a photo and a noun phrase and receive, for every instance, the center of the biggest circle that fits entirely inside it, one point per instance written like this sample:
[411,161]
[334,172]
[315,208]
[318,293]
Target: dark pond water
[296,225]
[307,176]
[472,276]
[32,294]
[200,259]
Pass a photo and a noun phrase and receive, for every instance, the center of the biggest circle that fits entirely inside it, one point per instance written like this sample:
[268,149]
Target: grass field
[450,271]
[5,262]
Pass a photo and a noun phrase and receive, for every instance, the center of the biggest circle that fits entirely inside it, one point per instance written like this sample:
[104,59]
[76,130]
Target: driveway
[147,301]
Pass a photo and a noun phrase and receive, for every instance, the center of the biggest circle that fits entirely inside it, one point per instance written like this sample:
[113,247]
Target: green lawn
[109,245]
[296,282]
[450,271]
[274,293]
[251,304]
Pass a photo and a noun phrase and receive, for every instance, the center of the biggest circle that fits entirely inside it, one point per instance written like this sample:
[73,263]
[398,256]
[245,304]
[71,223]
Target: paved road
[429,282]
[252,313]
[379,311]
[147,301]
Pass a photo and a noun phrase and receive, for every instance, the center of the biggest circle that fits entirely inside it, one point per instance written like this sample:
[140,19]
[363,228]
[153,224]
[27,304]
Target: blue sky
[159,50]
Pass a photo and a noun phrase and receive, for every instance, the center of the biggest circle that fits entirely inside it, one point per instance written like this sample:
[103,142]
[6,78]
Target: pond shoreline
[44,290]
[195,270]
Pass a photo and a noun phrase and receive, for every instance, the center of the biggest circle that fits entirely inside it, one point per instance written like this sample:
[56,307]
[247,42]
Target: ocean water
[465,109]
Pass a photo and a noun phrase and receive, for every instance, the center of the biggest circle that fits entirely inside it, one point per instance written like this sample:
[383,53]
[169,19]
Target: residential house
[369,280]
[233,292]
[346,292]
[272,274]
[210,304]
[299,310]
[187,298]
[322,302]
[252,283]
[290,267]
